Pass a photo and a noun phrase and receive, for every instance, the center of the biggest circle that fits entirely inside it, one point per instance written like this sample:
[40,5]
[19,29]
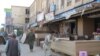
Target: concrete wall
[87,1]
[39,5]
[33,12]
[74,3]
[18,15]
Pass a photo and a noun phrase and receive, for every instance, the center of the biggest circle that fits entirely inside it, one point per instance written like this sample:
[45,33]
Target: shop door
[97,23]
[72,27]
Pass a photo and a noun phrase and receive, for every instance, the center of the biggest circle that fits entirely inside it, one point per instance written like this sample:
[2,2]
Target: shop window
[77,1]
[69,2]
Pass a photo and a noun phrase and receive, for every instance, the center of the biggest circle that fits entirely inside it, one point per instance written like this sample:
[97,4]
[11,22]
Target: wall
[88,26]
[38,6]
[87,1]
[18,15]
[73,4]
[85,26]
[33,12]
[80,26]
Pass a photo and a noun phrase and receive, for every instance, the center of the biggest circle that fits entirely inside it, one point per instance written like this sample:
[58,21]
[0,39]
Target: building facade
[8,21]
[20,16]
[61,11]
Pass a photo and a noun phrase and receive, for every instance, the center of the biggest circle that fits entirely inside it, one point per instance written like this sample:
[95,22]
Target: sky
[8,4]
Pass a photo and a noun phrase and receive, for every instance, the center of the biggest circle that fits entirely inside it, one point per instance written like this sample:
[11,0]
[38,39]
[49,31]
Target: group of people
[12,47]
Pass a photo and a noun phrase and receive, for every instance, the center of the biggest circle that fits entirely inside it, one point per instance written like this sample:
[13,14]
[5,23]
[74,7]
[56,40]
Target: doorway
[73,27]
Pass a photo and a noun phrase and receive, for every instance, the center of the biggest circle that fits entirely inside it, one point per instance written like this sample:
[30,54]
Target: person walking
[31,39]
[12,46]
[47,44]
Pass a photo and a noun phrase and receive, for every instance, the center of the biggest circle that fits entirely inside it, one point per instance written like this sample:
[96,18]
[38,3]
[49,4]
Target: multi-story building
[75,20]
[20,16]
[64,9]
[8,21]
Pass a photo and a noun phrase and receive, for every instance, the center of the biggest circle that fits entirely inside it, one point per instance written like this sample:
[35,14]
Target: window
[77,1]
[27,11]
[69,2]
[26,20]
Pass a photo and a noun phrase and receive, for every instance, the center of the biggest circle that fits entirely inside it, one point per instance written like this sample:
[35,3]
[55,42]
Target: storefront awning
[95,8]
[34,25]
[63,16]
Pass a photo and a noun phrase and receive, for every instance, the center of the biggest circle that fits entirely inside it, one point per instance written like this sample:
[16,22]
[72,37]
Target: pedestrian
[47,44]
[12,46]
[31,39]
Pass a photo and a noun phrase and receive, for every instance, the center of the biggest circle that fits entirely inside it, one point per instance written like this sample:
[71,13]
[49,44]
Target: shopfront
[81,24]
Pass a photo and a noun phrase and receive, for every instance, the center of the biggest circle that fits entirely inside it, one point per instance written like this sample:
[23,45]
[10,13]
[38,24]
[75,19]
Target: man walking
[47,44]
[31,39]
[12,46]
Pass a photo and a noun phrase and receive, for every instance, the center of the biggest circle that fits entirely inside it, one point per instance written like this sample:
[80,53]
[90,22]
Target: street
[26,52]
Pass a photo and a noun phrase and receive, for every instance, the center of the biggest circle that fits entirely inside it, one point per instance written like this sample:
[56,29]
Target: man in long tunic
[12,46]
[31,39]
[47,44]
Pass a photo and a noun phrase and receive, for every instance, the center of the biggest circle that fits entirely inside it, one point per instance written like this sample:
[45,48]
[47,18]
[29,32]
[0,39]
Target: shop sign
[40,17]
[49,16]
[52,7]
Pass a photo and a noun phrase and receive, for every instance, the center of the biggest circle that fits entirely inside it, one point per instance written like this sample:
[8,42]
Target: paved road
[26,52]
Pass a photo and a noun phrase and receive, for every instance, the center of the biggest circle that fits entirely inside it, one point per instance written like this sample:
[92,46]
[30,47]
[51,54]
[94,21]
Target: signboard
[83,53]
[52,7]
[40,17]
[49,16]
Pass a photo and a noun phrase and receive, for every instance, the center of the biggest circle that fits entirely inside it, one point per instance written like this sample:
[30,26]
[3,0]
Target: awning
[62,16]
[95,8]
[71,20]
[34,25]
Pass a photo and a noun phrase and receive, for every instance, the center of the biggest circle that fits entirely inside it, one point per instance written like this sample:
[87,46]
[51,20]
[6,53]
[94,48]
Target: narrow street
[26,52]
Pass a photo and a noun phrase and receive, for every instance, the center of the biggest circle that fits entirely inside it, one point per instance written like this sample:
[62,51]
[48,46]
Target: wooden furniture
[73,48]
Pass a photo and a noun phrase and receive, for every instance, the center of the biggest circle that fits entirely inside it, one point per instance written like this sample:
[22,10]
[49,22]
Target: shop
[80,26]
[88,22]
